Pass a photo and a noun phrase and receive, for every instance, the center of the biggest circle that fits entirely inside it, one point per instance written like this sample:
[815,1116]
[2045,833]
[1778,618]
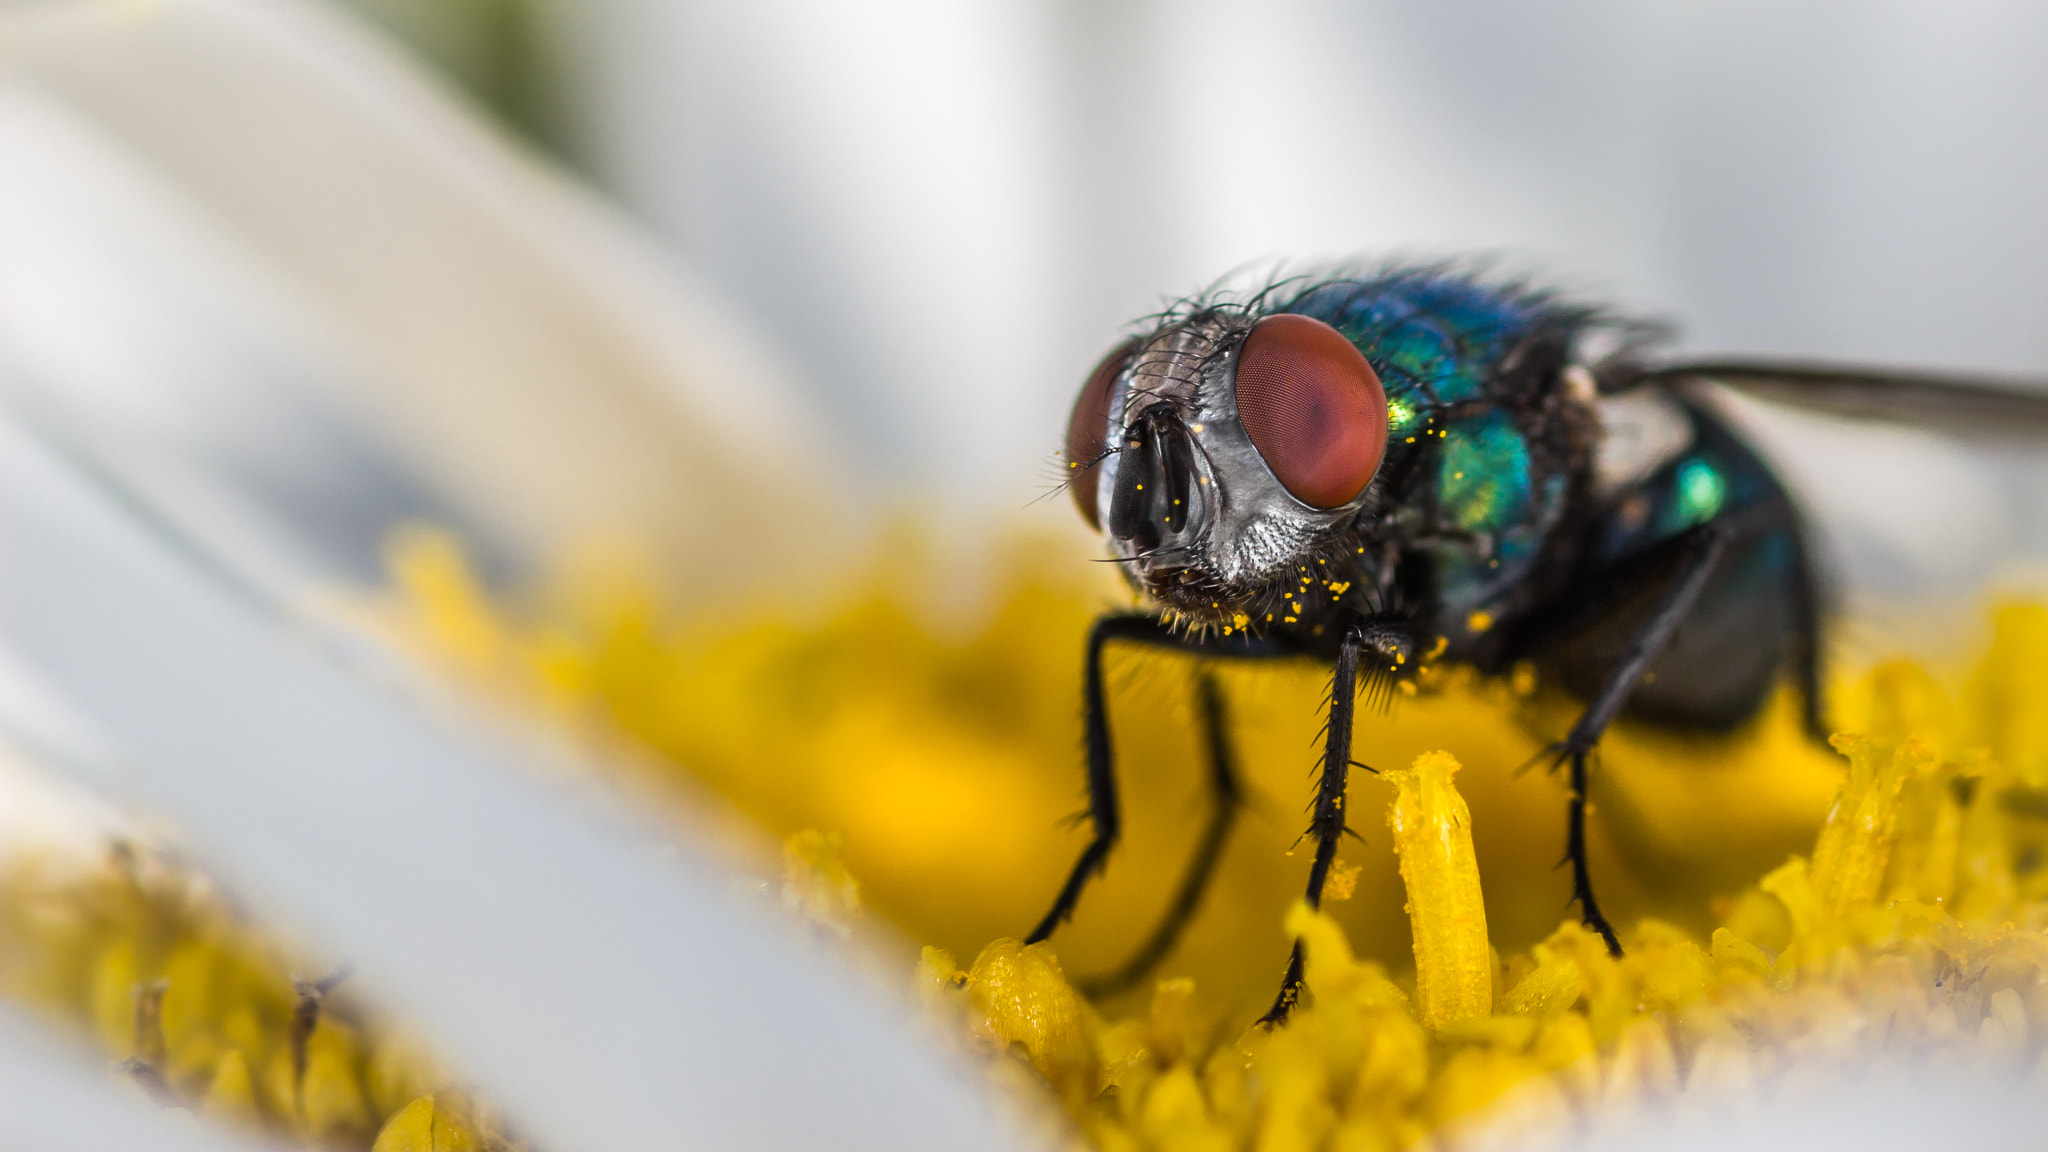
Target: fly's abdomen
[1751,619]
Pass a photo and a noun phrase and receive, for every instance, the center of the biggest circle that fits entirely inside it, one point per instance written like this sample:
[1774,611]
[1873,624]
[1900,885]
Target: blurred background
[942,212]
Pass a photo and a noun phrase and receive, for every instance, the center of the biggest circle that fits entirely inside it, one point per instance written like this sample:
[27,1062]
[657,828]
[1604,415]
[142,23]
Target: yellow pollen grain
[1433,837]
[1479,621]
[1197,429]
[1522,679]
[1342,882]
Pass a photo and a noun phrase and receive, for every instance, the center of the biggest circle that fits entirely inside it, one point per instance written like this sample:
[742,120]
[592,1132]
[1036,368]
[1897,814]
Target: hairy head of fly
[1221,450]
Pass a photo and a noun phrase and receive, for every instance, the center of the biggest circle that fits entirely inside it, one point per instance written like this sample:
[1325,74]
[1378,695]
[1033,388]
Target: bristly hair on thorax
[1249,293]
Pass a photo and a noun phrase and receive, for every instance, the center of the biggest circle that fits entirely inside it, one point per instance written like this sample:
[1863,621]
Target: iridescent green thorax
[1483,474]
[1480,459]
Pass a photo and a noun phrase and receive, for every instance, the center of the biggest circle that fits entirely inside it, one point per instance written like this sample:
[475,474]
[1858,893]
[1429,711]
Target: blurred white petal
[54,1100]
[615,997]
[244,231]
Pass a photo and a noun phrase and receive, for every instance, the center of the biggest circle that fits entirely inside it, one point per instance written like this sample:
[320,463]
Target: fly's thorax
[1225,546]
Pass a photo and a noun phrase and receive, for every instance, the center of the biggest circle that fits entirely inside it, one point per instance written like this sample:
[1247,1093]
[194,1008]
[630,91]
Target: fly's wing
[1968,406]
[1924,493]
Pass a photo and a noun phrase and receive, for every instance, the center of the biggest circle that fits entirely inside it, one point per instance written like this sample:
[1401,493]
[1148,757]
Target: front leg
[1104,815]
[1364,640]
[1227,795]
[1102,810]
[1104,818]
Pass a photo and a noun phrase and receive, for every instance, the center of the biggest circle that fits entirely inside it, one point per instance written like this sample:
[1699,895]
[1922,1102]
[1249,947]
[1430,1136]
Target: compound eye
[1313,408]
[1087,430]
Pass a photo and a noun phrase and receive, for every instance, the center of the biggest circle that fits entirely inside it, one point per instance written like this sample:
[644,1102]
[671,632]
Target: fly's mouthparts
[1155,481]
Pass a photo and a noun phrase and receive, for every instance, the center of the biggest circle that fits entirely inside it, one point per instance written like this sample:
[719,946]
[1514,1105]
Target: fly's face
[1221,453]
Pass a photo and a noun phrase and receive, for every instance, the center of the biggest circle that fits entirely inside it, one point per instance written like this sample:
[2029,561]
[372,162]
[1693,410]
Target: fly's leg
[1103,813]
[1326,825]
[1228,796]
[1806,604]
[1699,548]
[1103,816]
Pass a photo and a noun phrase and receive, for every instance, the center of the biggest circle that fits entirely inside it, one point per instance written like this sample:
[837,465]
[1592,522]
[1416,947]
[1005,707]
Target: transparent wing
[1966,405]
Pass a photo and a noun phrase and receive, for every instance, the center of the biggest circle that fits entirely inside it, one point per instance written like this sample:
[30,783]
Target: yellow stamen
[1433,835]
[1856,842]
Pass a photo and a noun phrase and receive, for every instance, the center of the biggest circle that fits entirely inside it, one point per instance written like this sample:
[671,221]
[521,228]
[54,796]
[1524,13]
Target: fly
[1419,465]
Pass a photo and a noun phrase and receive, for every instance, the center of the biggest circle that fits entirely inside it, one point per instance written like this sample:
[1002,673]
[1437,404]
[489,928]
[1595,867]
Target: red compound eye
[1086,430]
[1313,408]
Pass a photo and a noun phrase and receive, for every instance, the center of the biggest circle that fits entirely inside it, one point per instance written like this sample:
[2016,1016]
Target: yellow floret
[425,1126]
[1433,834]
[815,880]
[1021,997]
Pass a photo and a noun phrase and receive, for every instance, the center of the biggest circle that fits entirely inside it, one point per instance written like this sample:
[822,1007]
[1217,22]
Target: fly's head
[1222,453]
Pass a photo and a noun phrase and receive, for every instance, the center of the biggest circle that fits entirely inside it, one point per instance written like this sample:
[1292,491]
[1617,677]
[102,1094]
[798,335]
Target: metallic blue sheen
[1434,336]
[1428,333]
[1483,474]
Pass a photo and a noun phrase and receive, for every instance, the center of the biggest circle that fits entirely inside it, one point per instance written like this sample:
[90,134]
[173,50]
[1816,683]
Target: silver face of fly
[1219,453]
